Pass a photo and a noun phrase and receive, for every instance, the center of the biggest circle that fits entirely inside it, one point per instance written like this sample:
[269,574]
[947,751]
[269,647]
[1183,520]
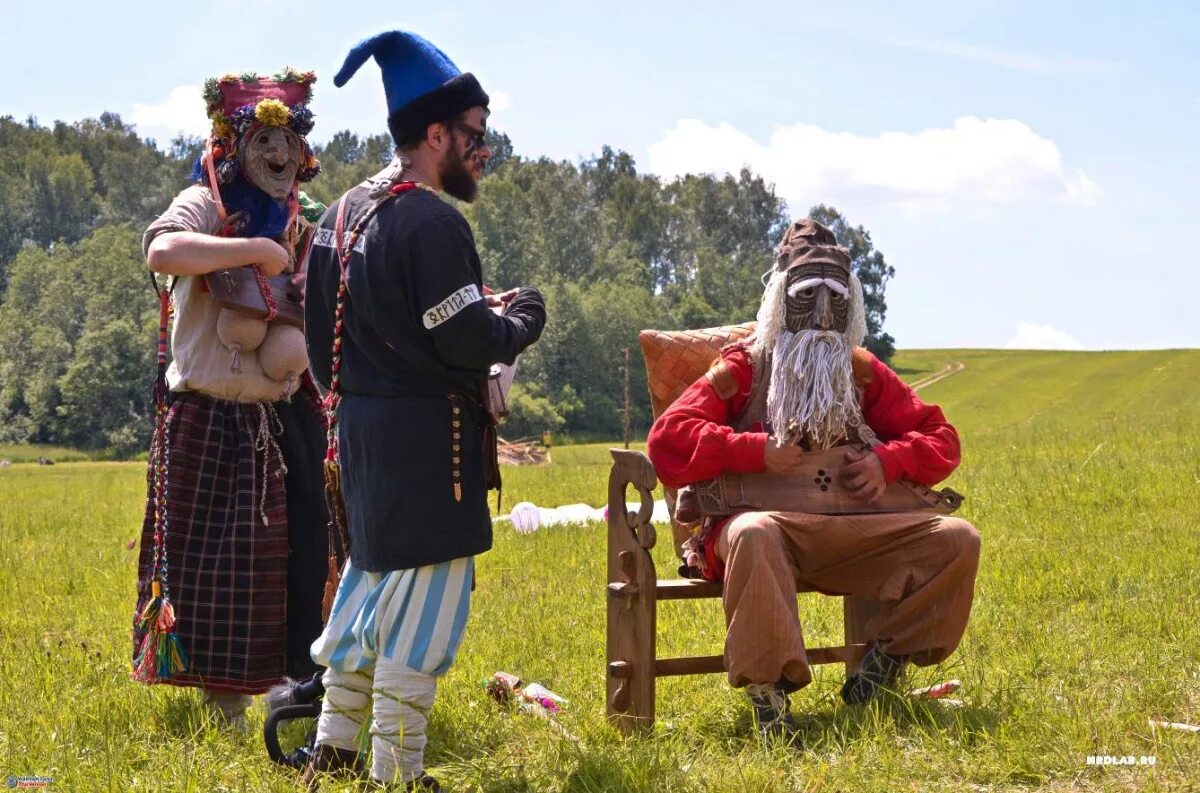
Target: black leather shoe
[772,715]
[425,784]
[878,671]
[331,760]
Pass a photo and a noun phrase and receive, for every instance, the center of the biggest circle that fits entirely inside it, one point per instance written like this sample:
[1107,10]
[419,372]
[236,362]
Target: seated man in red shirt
[801,384]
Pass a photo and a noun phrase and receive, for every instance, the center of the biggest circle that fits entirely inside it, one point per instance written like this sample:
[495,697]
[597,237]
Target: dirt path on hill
[940,374]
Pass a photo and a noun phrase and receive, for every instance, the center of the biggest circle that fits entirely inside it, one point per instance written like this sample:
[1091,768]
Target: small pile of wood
[525,451]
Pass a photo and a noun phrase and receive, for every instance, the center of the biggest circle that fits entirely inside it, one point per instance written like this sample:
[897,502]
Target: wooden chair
[674,360]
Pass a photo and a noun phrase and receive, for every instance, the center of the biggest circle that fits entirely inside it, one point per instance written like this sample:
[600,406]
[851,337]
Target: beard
[812,396]
[457,179]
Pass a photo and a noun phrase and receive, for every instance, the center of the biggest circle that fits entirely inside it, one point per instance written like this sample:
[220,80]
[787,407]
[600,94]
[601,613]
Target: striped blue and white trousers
[389,637]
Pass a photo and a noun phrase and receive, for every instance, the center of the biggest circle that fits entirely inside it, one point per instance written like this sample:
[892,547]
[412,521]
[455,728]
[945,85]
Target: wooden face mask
[818,298]
[270,159]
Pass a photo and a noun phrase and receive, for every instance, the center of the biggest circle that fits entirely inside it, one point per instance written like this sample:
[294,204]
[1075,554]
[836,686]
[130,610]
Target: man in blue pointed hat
[402,335]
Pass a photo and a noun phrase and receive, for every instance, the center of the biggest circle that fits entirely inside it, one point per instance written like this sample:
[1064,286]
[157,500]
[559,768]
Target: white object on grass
[527,517]
[1175,725]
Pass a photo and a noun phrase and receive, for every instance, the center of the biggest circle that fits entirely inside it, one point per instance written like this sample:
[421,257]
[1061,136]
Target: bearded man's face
[270,160]
[462,166]
[817,299]
[457,179]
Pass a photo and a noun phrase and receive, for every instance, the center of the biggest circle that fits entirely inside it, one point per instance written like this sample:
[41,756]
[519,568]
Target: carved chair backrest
[674,360]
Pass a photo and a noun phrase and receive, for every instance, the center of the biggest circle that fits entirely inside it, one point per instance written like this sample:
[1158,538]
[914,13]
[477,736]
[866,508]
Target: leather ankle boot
[878,672]
[771,711]
[330,760]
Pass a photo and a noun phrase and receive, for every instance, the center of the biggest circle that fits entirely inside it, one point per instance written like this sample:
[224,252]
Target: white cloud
[1007,59]
[183,110]
[498,101]
[981,160]
[1031,336]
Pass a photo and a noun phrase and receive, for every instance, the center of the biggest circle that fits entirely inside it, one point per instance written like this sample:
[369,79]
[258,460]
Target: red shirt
[692,440]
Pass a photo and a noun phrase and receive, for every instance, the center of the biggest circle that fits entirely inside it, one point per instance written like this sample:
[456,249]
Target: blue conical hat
[422,84]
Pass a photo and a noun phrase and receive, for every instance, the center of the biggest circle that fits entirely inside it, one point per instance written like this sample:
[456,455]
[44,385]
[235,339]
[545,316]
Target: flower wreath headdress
[240,103]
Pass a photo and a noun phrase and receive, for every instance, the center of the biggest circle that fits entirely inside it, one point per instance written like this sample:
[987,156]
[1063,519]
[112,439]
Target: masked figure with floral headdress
[234,545]
[801,385]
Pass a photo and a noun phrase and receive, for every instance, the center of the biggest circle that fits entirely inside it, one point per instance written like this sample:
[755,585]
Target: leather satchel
[238,290]
[500,379]
[495,393]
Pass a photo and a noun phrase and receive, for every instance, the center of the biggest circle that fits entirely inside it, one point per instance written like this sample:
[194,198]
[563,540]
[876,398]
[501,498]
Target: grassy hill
[1081,470]
[1019,390]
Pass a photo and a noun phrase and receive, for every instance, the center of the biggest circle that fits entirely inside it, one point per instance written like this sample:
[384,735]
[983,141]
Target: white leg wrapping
[403,698]
[345,709]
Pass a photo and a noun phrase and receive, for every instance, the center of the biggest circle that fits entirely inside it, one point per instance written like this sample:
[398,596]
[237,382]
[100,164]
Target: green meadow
[1081,470]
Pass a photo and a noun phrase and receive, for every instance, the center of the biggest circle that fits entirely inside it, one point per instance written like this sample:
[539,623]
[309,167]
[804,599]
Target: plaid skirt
[244,488]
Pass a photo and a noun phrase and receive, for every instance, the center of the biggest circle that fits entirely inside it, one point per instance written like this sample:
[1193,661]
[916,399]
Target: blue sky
[1029,169]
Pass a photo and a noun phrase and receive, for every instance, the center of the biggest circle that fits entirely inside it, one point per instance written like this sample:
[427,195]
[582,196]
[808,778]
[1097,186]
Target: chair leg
[632,597]
[857,612]
[631,649]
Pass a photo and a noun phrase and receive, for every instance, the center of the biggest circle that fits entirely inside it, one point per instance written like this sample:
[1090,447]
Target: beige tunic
[199,361]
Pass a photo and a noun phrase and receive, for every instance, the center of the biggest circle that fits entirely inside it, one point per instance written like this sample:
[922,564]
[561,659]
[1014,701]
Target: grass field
[1081,470]
[20,453]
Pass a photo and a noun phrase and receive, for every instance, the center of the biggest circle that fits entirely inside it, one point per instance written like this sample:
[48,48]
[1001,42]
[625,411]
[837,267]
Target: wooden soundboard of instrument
[816,489]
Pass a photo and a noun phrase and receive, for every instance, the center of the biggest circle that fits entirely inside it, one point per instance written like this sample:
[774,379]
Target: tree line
[613,250]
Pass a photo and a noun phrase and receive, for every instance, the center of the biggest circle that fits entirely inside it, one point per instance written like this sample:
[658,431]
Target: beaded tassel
[339,543]
[334,504]
[161,653]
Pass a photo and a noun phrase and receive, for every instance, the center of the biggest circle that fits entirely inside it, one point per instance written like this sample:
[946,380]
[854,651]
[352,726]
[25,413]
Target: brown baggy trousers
[919,566]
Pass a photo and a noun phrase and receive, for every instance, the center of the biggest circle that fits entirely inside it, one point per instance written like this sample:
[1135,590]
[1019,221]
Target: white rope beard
[811,392]
[772,313]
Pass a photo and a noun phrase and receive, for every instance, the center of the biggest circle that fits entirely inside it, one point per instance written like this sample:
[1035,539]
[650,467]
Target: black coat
[418,340]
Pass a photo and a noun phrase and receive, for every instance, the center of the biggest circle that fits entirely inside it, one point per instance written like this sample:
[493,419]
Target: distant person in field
[402,334]
[801,383]
[238,549]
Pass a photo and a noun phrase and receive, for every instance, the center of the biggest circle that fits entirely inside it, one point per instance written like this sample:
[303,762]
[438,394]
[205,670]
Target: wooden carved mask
[270,158]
